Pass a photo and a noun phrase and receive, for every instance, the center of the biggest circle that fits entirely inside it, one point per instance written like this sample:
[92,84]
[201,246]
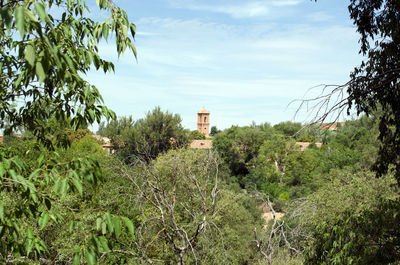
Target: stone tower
[203,122]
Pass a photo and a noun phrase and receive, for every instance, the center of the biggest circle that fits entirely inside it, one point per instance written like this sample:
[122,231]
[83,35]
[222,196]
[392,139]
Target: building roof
[332,126]
[203,111]
[201,144]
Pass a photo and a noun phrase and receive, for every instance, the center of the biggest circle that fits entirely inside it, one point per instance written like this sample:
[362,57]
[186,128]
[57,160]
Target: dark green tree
[288,128]
[370,236]
[239,145]
[196,135]
[214,131]
[375,83]
[156,133]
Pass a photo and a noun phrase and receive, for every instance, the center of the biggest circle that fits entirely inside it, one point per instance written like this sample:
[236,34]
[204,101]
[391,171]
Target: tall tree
[43,61]
[368,236]
[158,132]
[375,83]
[44,58]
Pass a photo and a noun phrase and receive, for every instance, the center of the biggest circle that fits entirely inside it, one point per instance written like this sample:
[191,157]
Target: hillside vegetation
[186,206]
[65,200]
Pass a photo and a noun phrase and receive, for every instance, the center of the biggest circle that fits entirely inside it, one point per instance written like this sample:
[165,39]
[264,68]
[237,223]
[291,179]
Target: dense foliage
[44,59]
[44,64]
[375,83]
[155,201]
[146,138]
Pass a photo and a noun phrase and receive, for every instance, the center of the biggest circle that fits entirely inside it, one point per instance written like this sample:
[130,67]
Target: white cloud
[241,72]
[243,9]
[253,9]
[319,16]
[286,2]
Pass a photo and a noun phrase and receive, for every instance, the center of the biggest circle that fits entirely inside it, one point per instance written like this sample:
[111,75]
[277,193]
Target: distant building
[203,122]
[332,126]
[105,143]
[201,144]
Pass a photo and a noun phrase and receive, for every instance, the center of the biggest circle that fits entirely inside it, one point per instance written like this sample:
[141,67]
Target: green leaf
[17,82]
[33,195]
[35,173]
[6,16]
[40,72]
[71,226]
[109,222]
[129,225]
[1,211]
[103,228]
[57,185]
[98,224]
[40,159]
[64,186]
[30,15]
[105,30]
[2,170]
[29,241]
[133,29]
[92,115]
[20,20]
[90,257]
[41,11]
[77,185]
[44,220]
[104,244]
[77,257]
[117,226]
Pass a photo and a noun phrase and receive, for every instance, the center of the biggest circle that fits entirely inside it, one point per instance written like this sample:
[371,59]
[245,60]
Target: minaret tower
[203,122]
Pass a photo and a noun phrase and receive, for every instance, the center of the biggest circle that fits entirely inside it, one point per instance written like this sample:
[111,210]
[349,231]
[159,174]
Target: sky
[243,61]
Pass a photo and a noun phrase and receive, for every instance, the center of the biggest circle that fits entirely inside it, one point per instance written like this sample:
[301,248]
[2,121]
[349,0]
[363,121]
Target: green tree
[214,130]
[118,130]
[43,61]
[268,169]
[375,83]
[355,224]
[186,207]
[196,135]
[239,145]
[156,133]
[288,128]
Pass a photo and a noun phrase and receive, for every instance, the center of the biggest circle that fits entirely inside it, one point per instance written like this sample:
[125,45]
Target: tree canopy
[374,84]
[44,58]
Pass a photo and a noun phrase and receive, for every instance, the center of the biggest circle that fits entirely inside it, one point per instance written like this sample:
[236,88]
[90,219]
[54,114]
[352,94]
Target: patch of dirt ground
[267,214]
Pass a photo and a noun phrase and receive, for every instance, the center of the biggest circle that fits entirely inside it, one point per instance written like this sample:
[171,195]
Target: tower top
[203,122]
[203,111]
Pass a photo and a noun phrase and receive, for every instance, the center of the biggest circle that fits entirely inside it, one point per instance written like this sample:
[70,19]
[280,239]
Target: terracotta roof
[203,111]
[332,126]
[201,144]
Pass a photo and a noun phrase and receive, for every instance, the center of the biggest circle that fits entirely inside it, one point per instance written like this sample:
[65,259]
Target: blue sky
[242,60]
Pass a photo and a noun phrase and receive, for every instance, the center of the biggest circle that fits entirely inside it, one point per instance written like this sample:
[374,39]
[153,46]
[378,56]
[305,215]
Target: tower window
[205,119]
